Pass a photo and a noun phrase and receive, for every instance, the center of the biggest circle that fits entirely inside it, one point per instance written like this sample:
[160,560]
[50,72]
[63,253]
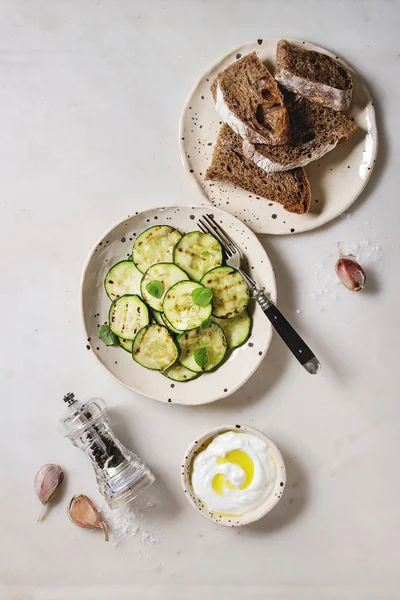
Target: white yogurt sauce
[235,473]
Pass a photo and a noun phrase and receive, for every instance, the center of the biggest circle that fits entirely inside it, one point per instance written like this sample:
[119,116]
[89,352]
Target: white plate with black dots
[116,245]
[336,179]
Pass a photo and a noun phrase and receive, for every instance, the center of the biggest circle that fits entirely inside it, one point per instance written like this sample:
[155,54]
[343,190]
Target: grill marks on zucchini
[155,245]
[237,330]
[126,344]
[230,292]
[183,339]
[123,278]
[155,348]
[167,274]
[197,253]
[127,316]
[180,310]
[212,338]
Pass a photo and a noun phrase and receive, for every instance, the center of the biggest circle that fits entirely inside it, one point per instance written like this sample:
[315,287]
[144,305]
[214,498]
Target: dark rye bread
[316,76]
[229,165]
[248,99]
[316,130]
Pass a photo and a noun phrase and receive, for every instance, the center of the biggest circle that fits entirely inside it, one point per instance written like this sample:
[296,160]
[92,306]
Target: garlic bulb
[350,273]
[83,513]
[47,481]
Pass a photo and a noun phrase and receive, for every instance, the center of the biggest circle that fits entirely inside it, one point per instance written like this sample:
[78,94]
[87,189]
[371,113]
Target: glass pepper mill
[120,474]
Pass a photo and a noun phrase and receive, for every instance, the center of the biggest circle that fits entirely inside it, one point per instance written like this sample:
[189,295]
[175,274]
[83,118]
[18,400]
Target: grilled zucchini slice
[168,324]
[155,348]
[156,317]
[181,310]
[236,330]
[161,277]
[230,292]
[202,349]
[123,278]
[127,316]
[155,245]
[180,373]
[197,253]
[126,344]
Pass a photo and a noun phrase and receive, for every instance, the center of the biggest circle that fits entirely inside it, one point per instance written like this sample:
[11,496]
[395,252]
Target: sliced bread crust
[313,75]
[248,99]
[229,165]
[316,130]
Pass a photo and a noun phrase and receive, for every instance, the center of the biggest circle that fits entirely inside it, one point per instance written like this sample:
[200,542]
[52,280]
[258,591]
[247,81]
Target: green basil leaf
[107,336]
[205,324]
[155,288]
[180,335]
[202,296]
[201,356]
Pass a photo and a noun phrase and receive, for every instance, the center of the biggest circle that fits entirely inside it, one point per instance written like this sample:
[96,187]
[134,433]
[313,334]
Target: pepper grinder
[120,474]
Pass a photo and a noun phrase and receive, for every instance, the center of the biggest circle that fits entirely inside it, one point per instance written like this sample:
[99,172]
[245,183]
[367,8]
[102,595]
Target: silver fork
[234,259]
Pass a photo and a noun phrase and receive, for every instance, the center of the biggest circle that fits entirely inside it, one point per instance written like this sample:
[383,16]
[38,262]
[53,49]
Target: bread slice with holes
[314,75]
[229,165]
[248,99]
[316,130]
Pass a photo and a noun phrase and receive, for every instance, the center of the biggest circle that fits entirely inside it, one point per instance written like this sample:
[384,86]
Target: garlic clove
[83,513]
[47,481]
[350,273]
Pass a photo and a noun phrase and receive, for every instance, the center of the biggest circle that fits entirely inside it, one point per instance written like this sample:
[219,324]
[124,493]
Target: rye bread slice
[248,99]
[314,75]
[316,130]
[229,165]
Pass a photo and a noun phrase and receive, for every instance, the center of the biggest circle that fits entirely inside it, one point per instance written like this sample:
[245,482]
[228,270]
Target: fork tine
[205,228]
[217,229]
[201,227]
[227,236]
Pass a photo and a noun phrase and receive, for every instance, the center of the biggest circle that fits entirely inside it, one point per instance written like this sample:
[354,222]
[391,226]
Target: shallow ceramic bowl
[116,245]
[250,516]
[336,179]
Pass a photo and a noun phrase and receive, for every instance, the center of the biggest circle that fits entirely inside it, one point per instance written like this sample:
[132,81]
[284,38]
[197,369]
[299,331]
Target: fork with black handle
[234,259]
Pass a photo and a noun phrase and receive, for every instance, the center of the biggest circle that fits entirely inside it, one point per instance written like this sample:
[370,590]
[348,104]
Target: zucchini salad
[175,307]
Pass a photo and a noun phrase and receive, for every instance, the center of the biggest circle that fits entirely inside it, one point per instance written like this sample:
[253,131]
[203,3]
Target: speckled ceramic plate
[116,245]
[336,180]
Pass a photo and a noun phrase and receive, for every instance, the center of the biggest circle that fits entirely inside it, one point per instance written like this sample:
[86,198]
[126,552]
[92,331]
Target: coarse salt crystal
[127,522]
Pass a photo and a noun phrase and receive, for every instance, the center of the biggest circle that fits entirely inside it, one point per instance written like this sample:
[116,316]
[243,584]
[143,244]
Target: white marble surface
[90,96]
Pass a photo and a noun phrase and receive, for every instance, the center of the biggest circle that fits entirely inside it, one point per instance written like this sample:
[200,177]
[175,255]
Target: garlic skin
[350,272]
[47,481]
[83,513]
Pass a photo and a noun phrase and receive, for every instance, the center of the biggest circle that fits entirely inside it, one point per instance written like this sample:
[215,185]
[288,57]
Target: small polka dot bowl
[238,365]
[271,464]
